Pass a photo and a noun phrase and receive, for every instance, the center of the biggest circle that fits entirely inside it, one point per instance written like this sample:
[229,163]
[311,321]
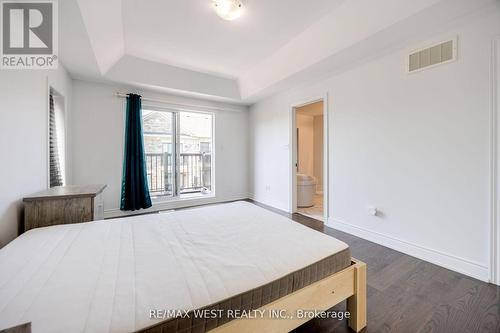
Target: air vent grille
[438,54]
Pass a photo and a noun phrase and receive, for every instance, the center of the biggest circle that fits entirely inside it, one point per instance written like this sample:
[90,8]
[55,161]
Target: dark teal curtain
[135,192]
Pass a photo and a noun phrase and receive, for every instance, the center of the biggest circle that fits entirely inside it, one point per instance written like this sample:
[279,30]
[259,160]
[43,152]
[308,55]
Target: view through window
[178,149]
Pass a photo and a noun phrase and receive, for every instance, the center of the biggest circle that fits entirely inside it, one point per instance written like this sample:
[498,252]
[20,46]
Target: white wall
[23,139]
[495,258]
[415,146]
[305,124]
[318,151]
[98,134]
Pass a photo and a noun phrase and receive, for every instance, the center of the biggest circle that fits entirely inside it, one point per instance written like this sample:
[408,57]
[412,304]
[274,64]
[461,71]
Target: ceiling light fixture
[228,9]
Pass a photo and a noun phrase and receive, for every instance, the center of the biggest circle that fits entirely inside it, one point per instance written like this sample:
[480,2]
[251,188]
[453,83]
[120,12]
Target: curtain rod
[206,107]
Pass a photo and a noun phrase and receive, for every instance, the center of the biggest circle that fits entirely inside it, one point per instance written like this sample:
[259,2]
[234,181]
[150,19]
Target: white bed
[106,276]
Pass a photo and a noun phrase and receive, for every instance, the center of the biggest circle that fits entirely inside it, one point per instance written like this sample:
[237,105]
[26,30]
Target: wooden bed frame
[349,284]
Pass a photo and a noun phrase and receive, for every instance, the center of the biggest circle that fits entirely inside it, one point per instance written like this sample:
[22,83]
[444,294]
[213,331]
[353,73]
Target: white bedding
[106,276]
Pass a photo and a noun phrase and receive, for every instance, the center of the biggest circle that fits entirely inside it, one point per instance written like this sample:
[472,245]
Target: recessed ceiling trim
[104,24]
[136,71]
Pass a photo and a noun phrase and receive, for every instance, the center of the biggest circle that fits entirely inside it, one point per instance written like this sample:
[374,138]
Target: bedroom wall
[98,134]
[415,146]
[23,139]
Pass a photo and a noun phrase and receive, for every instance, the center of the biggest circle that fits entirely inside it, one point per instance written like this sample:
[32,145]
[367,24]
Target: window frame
[176,195]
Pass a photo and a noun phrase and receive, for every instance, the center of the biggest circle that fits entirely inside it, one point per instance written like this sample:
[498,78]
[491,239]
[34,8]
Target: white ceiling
[183,47]
[189,34]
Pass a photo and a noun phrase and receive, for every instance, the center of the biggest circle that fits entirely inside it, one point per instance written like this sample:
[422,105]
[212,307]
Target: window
[178,149]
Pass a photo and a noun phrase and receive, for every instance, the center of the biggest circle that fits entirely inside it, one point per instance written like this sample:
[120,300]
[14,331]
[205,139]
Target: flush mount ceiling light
[228,9]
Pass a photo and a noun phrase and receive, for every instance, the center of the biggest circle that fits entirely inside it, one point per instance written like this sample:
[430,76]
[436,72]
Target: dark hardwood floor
[406,294]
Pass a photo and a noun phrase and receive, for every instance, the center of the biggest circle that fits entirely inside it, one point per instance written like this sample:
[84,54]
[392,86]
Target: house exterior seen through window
[178,148]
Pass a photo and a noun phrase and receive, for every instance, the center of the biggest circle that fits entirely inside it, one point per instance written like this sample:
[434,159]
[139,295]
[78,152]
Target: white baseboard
[454,263]
[268,200]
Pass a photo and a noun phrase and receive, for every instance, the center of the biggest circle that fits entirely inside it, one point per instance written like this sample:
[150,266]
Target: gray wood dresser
[24,328]
[63,205]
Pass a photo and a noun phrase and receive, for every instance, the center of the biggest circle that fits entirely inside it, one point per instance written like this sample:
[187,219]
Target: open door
[309,158]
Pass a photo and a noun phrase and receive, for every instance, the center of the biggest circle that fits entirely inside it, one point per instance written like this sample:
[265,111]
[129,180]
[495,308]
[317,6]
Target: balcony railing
[194,173]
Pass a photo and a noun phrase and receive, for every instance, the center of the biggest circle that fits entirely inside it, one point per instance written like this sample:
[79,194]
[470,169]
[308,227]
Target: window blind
[55,168]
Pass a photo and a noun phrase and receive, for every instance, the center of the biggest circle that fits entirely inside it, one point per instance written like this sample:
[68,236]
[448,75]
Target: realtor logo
[29,34]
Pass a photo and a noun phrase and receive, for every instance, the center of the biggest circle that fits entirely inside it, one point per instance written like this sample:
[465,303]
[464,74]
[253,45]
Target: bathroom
[310,159]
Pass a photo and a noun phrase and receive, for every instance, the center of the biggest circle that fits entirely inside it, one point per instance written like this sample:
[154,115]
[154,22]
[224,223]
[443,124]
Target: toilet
[306,188]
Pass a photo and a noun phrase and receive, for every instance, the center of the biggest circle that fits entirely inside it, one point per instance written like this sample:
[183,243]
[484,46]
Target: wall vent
[432,56]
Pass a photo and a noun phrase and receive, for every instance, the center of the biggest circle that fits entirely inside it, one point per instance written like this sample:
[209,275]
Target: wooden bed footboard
[356,304]
[349,284]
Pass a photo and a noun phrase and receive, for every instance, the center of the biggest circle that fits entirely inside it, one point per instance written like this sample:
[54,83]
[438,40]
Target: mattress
[108,276]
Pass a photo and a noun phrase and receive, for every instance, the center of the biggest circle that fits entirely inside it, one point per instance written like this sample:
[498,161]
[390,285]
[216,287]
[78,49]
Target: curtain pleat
[135,190]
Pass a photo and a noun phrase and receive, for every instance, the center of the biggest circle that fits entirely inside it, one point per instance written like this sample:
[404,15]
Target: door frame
[495,165]
[293,153]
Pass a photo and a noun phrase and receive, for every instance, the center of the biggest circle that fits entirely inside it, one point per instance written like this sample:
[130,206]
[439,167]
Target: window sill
[162,204]
[183,197]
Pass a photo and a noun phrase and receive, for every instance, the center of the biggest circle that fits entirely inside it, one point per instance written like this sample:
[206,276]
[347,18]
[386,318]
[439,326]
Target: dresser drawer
[45,213]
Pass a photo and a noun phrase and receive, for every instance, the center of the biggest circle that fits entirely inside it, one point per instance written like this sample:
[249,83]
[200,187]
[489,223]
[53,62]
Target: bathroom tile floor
[316,211]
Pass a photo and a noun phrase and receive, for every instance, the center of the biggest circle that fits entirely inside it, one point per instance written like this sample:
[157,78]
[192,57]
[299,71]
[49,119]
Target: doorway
[309,162]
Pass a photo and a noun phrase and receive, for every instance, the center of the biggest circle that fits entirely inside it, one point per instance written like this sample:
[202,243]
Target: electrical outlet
[268,188]
[373,211]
